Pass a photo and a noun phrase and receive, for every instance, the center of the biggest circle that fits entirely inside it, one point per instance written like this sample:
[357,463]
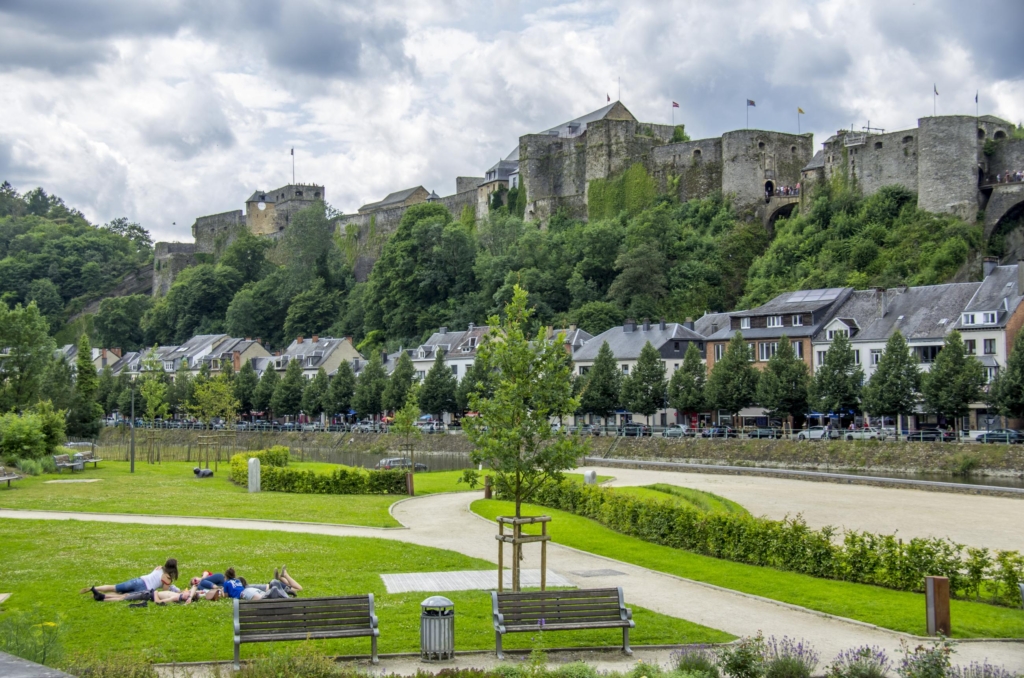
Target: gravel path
[444,521]
[975,520]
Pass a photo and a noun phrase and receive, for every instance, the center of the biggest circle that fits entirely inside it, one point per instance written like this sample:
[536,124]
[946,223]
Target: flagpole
[798,121]
[293,167]
[747,105]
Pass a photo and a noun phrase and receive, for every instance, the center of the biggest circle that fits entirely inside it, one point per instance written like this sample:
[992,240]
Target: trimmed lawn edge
[780,603]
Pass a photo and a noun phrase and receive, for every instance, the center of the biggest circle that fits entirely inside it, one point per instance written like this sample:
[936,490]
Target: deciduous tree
[688,383]
[892,389]
[84,417]
[732,384]
[838,381]
[24,335]
[369,393]
[437,394]
[643,391]
[782,387]
[399,383]
[288,394]
[954,382]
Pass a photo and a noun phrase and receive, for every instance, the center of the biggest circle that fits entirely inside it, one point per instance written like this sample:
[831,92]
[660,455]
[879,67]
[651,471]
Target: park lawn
[44,563]
[896,610]
[684,496]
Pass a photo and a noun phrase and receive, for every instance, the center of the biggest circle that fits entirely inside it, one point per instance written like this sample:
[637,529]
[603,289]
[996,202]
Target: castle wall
[261,221]
[458,201]
[752,157]
[697,164]
[947,169]
[551,169]
[1009,156]
[885,160]
[212,233]
[463,184]
[170,259]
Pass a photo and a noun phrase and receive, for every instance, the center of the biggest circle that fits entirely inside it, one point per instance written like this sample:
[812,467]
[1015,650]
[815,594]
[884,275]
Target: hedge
[862,557]
[276,476]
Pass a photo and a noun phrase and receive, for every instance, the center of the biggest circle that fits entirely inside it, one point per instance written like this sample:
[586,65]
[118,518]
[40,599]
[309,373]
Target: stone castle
[950,162]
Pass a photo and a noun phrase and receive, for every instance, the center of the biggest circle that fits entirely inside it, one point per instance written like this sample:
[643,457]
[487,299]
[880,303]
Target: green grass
[696,499]
[44,563]
[897,610]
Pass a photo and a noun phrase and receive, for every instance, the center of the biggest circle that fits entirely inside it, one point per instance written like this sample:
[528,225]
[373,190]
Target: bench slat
[578,604]
[307,628]
[559,595]
[298,621]
[303,602]
[321,613]
[569,627]
[247,612]
[555,616]
[305,636]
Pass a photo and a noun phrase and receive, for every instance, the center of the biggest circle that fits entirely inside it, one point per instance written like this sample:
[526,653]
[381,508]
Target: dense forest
[663,258]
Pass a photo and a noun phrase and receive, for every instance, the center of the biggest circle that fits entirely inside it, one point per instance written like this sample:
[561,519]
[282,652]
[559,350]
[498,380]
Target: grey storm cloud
[197,124]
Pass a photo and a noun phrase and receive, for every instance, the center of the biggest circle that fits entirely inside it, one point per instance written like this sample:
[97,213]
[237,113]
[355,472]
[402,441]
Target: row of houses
[988,314]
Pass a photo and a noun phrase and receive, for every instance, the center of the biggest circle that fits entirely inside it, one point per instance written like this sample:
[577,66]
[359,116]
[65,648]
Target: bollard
[488,487]
[590,478]
[254,475]
[936,593]
[410,487]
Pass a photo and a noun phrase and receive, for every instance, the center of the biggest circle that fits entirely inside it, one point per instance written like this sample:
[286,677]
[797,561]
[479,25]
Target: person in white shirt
[160,578]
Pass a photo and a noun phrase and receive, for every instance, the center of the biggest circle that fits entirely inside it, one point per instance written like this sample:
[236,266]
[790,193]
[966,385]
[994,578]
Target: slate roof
[918,312]
[802,301]
[817,162]
[261,196]
[500,171]
[710,323]
[1001,284]
[861,307]
[392,199]
[578,126]
[575,337]
[455,343]
[319,350]
[194,346]
[627,344]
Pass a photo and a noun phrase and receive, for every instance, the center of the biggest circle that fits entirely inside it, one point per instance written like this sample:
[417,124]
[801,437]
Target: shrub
[980,670]
[30,467]
[51,422]
[925,662]
[744,659]
[696,659]
[22,436]
[860,662]
[577,669]
[304,662]
[31,636]
[275,476]
[125,665]
[788,658]
[276,456]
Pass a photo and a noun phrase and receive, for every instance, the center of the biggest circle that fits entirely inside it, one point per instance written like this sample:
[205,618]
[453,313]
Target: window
[675,345]
[768,349]
[968,319]
[420,374]
[455,370]
[675,367]
[798,348]
[990,373]
[744,323]
[625,369]
[990,347]
[751,353]
[584,370]
[989,318]
[832,334]
[927,354]
[856,357]
[821,358]
[798,321]
[719,349]
[775,321]
[876,355]
[970,347]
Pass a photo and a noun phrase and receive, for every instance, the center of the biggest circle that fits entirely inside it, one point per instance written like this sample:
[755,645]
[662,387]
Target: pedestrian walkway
[445,521]
[466,580]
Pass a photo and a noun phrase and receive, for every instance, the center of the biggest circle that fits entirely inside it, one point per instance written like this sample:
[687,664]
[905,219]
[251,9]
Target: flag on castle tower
[293,151]
[675,105]
[750,102]
[975,96]
[609,96]
[935,89]
[800,110]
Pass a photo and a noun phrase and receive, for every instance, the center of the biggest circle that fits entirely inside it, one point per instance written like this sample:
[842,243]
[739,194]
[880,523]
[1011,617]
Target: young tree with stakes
[643,391]
[954,382]
[892,389]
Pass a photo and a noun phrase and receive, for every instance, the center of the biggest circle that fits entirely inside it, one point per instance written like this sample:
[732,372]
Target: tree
[153,388]
[132,231]
[473,380]
[246,383]
[530,380]
[288,394]
[954,382]
[179,395]
[399,384]
[25,338]
[264,395]
[47,297]
[838,381]
[84,417]
[783,386]
[732,384]
[369,392]
[686,387]
[119,321]
[315,395]
[214,399]
[597,316]
[59,387]
[437,394]
[643,391]
[312,311]
[892,389]
[247,254]
[602,385]
[343,386]
[404,426]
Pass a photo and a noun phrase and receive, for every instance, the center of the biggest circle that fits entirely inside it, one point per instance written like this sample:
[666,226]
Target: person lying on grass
[160,578]
[281,586]
[159,597]
[212,580]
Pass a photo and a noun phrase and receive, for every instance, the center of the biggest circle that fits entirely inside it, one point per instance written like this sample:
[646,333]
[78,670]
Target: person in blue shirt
[281,586]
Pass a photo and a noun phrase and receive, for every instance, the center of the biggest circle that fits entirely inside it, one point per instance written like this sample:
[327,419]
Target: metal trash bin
[78,461]
[437,629]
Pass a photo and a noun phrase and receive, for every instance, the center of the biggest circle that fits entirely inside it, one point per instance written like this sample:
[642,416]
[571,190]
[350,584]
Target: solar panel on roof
[827,294]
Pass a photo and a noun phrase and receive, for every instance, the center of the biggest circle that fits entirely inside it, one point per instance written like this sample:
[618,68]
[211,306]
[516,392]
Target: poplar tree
[687,385]
[954,381]
[246,383]
[732,384]
[287,397]
[84,417]
[437,394]
[473,381]
[892,389]
[399,383]
[369,393]
[343,386]
[315,395]
[178,395]
[264,395]
[782,388]
[837,383]
[602,385]
[643,391]
[1006,392]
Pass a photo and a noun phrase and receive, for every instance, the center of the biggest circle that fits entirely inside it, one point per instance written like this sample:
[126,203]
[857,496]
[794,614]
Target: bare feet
[87,589]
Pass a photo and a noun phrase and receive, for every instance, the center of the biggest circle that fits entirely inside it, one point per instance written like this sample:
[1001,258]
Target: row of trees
[786,388]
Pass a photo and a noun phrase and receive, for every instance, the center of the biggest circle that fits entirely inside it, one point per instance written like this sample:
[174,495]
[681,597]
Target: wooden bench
[269,620]
[8,475]
[63,461]
[560,611]
[88,458]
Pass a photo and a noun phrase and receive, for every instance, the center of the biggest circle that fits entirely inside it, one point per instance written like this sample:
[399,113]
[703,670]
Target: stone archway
[1006,202]
[779,207]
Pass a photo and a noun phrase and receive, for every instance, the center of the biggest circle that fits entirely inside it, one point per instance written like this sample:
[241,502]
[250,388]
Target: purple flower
[541,622]
[866,661]
[791,649]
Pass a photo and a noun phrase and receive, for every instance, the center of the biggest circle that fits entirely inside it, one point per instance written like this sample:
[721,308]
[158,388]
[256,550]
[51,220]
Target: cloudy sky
[166,110]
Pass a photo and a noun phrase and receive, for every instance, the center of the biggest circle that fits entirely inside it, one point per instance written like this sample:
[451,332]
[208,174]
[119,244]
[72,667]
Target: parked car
[679,431]
[634,430]
[869,433]
[365,426]
[720,432]
[1002,435]
[771,433]
[931,435]
[431,426]
[817,433]
[399,463]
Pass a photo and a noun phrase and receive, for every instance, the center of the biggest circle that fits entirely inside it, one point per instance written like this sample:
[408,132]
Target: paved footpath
[974,520]
[444,521]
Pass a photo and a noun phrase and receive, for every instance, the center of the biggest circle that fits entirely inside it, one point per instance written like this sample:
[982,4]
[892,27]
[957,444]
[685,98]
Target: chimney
[688,324]
[629,325]
[1020,276]
[572,328]
[316,338]
[549,332]
[443,330]
[647,324]
[277,354]
[248,339]
[661,324]
[236,360]
[471,326]
[988,264]
[298,339]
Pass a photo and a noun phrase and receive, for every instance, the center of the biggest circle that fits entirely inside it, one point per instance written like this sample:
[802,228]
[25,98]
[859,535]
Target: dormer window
[968,319]
[988,318]
[798,321]
[832,334]
[775,321]
[744,323]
